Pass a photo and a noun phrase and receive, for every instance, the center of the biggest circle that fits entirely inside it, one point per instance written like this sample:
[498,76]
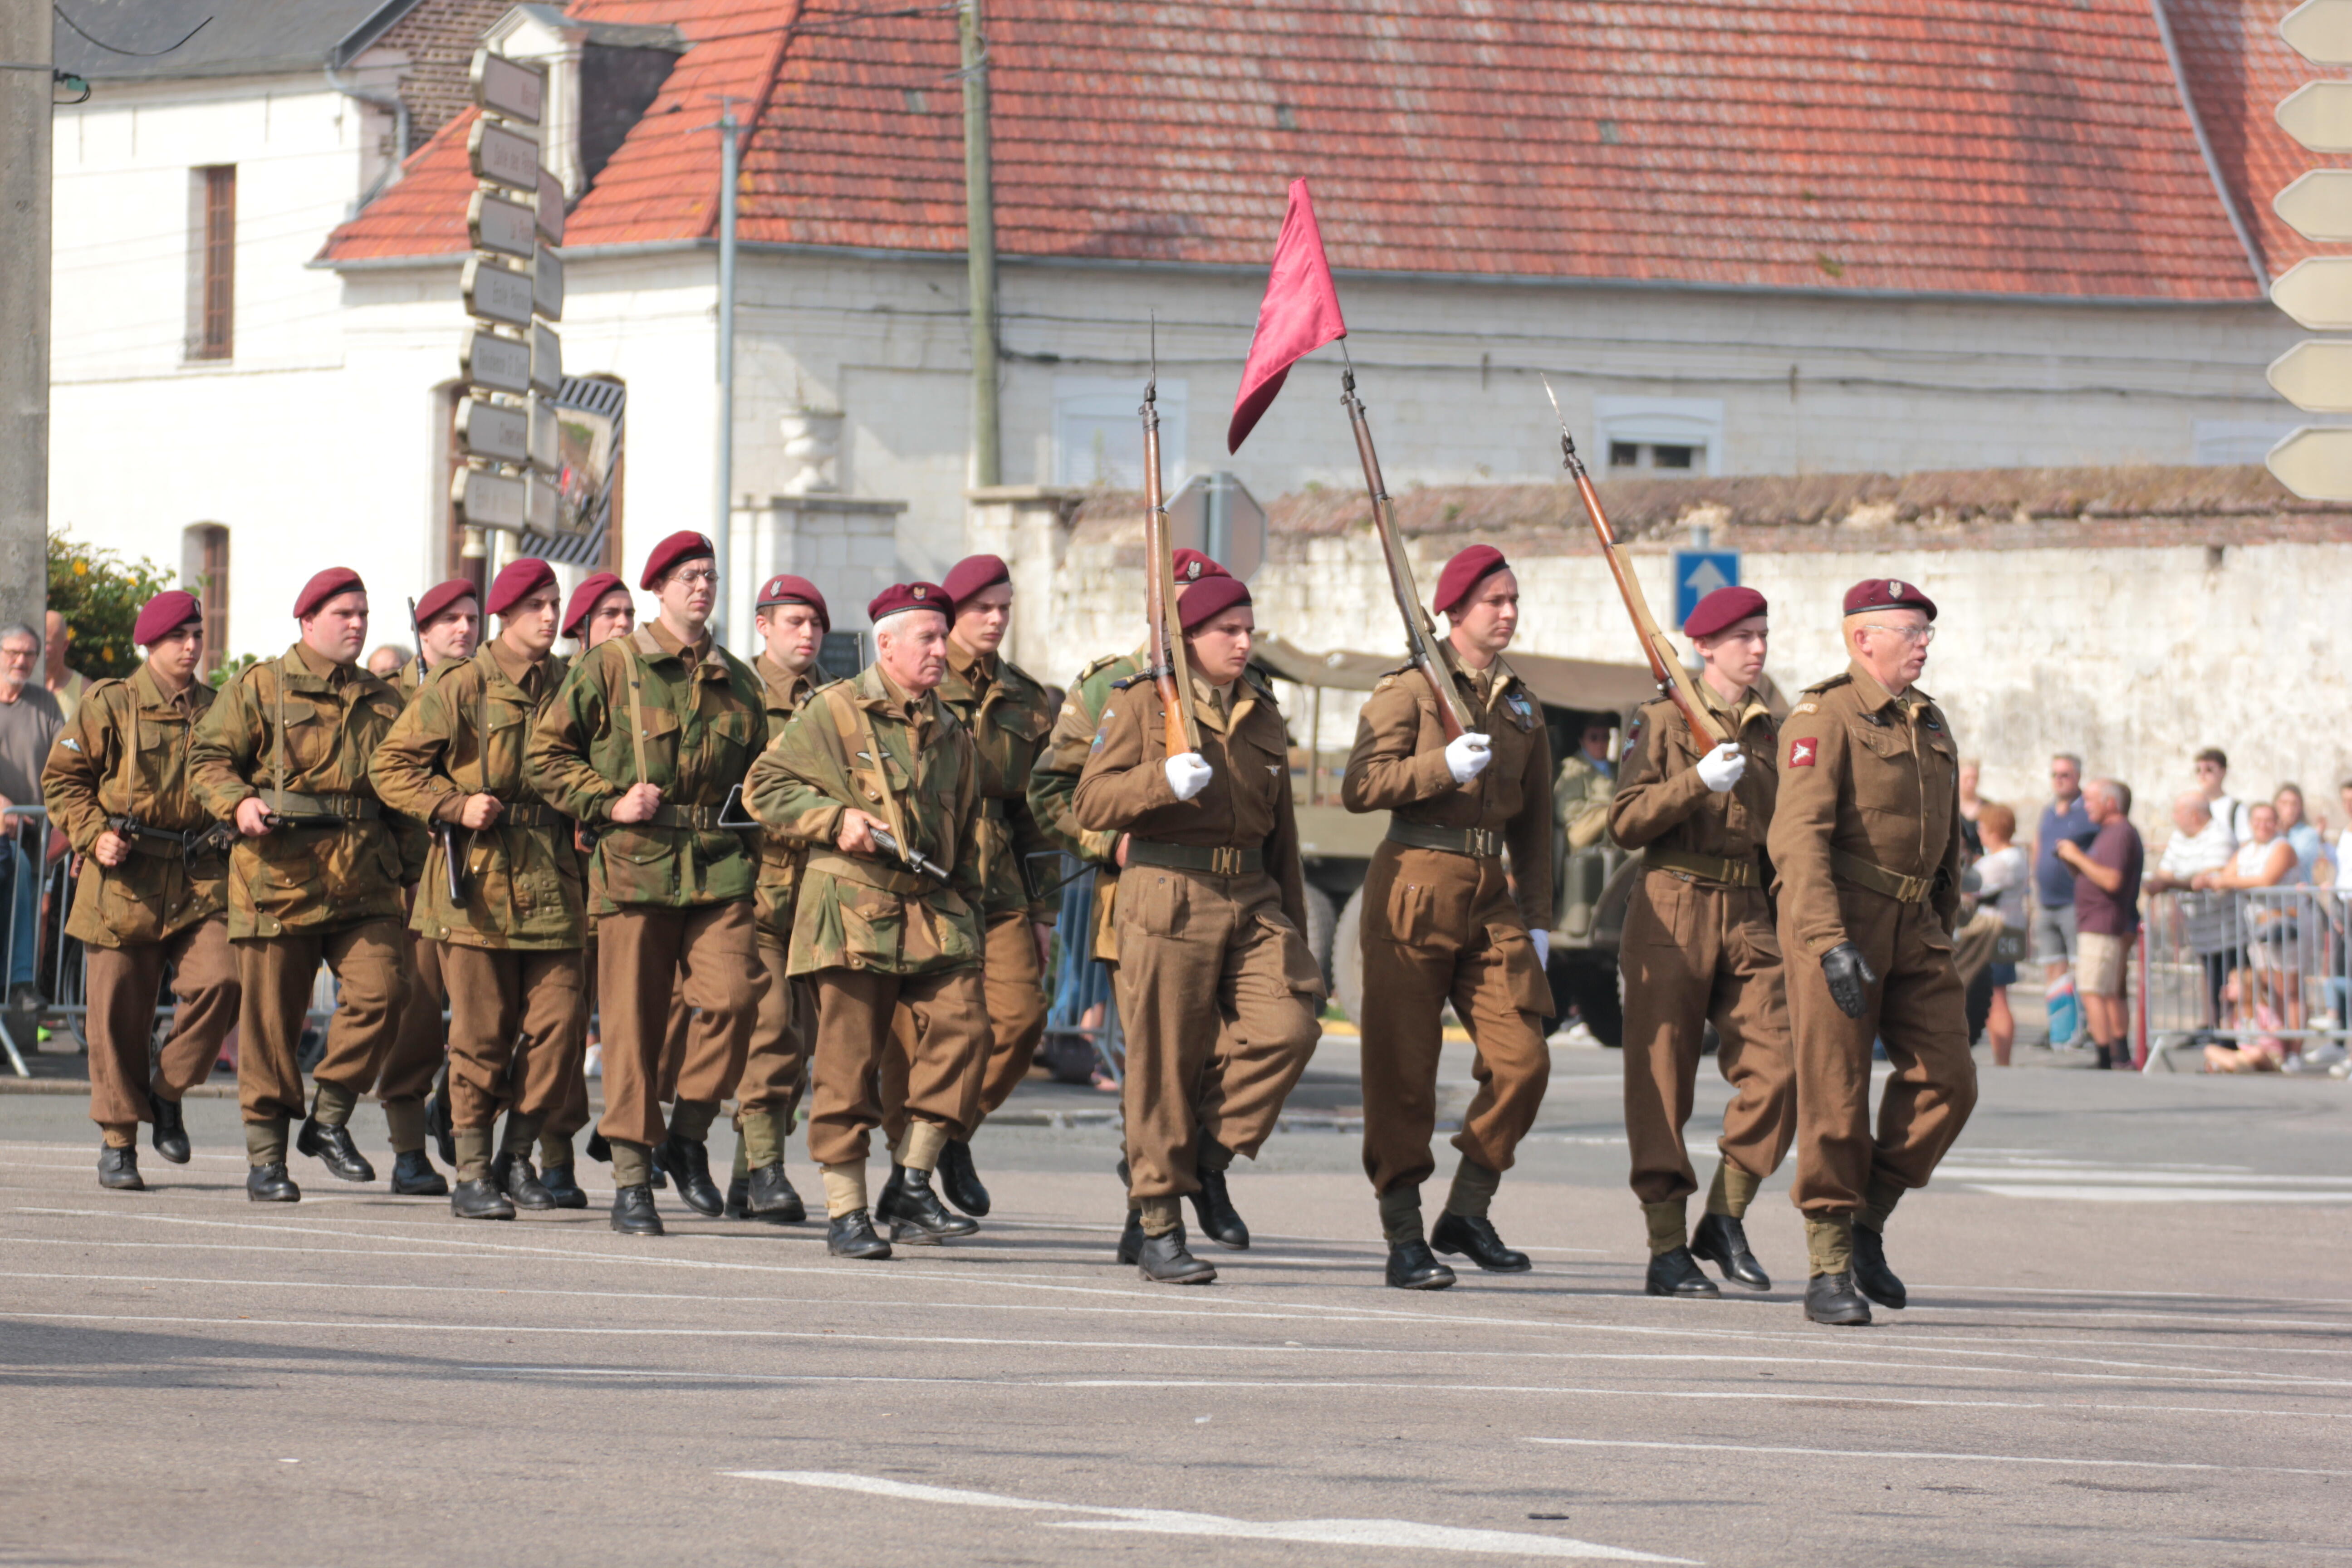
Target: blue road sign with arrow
[1697,574]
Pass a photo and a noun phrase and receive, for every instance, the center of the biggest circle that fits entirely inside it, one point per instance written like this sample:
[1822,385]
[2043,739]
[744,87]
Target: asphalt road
[2128,1344]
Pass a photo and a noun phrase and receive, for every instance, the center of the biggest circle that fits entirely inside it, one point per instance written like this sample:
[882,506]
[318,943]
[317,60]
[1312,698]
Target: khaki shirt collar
[666,644]
[880,691]
[314,663]
[1744,712]
[529,674]
[146,691]
[781,684]
[1874,697]
[978,669]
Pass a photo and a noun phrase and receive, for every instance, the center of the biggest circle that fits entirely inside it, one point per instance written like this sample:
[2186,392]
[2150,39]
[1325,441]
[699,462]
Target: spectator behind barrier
[2263,993]
[2002,877]
[29,722]
[2301,836]
[2212,779]
[2106,916]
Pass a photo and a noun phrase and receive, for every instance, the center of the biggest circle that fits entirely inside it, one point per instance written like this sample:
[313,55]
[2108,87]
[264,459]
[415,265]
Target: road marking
[1404,1534]
[2088,1193]
[2233,1468]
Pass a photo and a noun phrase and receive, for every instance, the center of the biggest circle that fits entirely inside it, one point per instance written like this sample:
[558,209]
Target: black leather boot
[633,1212]
[412,1176]
[1677,1273]
[563,1187]
[914,1212]
[1832,1299]
[1472,1235]
[959,1182]
[1165,1260]
[333,1148]
[739,1193]
[769,1196]
[511,1173]
[118,1170]
[852,1234]
[1723,1241]
[171,1130]
[1871,1274]
[1130,1238]
[1412,1266]
[271,1184]
[480,1200]
[1212,1205]
[689,1163]
[439,1125]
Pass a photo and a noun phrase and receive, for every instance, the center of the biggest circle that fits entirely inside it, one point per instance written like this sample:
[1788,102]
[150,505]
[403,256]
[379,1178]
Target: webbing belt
[1706,867]
[1479,843]
[1220,860]
[1869,874]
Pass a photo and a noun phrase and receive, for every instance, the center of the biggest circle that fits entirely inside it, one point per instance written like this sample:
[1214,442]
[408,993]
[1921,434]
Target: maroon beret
[974,573]
[783,588]
[1191,565]
[1205,600]
[165,614]
[517,580]
[900,596]
[442,597]
[683,545]
[1465,572]
[334,580]
[1887,594]
[584,599]
[1724,607]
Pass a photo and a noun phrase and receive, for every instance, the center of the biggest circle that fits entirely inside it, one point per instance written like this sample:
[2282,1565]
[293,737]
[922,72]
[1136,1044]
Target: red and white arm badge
[1801,751]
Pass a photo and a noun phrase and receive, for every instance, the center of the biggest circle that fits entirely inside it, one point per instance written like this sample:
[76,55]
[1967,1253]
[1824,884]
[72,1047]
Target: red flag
[1300,315]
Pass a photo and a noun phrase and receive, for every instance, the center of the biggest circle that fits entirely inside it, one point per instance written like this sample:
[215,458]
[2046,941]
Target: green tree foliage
[100,594]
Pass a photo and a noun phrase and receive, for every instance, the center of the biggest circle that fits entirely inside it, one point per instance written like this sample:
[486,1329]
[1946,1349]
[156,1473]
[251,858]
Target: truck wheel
[1348,958]
[1587,981]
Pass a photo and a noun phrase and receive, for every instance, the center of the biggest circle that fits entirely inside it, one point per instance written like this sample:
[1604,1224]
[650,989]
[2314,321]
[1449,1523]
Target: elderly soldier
[315,876]
[647,740]
[117,785]
[506,925]
[792,621]
[887,923]
[1217,990]
[1008,715]
[1699,945]
[1865,843]
[1443,922]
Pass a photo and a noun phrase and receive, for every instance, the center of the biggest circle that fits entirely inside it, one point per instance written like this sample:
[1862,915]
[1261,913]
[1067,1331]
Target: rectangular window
[1674,435]
[214,272]
[1098,437]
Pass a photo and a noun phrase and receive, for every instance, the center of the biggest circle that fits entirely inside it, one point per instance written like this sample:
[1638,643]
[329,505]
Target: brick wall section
[439,37]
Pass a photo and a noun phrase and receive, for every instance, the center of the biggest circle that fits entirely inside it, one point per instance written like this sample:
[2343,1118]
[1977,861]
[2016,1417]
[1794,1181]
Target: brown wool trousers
[421,1044]
[858,1016]
[1441,928]
[515,1020]
[275,973]
[1917,1007]
[642,949]
[124,983]
[1695,952]
[777,1063]
[1210,974]
[1014,985]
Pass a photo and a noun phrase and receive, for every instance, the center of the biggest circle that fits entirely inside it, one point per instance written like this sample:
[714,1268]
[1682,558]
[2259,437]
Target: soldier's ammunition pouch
[1478,843]
[1706,867]
[1862,873]
[1223,860]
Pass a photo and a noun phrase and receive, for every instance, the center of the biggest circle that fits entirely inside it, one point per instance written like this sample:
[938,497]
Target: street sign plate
[1216,515]
[543,508]
[484,499]
[2315,463]
[2316,375]
[2319,115]
[2320,31]
[547,284]
[546,440]
[546,360]
[509,156]
[1697,574]
[493,363]
[508,86]
[493,223]
[495,294]
[494,430]
[2317,292]
[550,206]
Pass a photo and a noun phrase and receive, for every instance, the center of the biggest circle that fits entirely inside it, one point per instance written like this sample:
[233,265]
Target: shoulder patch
[1803,751]
[1804,708]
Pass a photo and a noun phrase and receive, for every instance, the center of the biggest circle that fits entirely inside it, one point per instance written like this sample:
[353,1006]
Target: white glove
[1188,774]
[1466,756]
[1721,768]
[1542,938]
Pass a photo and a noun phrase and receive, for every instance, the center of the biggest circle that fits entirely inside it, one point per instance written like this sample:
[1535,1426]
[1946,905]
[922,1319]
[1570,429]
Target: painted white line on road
[2231,1468]
[2087,1194]
[2153,1178]
[1398,1534]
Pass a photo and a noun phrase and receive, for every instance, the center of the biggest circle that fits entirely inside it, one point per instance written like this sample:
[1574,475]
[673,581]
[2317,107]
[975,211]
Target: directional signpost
[1697,574]
[2316,461]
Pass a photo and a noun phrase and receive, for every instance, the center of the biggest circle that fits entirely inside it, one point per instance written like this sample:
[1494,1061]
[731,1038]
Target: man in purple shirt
[2106,915]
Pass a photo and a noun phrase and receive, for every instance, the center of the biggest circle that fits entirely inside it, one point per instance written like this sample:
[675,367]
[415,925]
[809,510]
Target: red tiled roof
[1979,146]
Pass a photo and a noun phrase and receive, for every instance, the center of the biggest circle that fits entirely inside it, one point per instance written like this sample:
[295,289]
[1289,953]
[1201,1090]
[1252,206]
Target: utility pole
[722,533]
[980,243]
[27,40]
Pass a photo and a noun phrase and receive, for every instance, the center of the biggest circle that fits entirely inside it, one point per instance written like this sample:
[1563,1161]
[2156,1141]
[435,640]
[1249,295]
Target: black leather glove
[1843,967]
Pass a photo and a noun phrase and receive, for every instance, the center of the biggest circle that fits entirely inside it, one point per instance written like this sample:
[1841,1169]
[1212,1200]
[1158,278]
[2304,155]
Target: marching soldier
[1444,922]
[1865,844]
[117,785]
[887,925]
[506,927]
[449,621]
[315,876]
[1008,715]
[599,610]
[678,718]
[1217,991]
[1699,945]
[792,621]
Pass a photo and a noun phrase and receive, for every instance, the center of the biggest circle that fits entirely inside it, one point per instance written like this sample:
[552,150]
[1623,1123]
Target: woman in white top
[2265,860]
[2003,881]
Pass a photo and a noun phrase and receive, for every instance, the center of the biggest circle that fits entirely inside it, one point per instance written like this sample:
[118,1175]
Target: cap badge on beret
[1895,589]
[920,591]
[1192,571]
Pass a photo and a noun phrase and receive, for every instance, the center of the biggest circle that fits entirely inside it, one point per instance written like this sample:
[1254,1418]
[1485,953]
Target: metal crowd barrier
[2231,967]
